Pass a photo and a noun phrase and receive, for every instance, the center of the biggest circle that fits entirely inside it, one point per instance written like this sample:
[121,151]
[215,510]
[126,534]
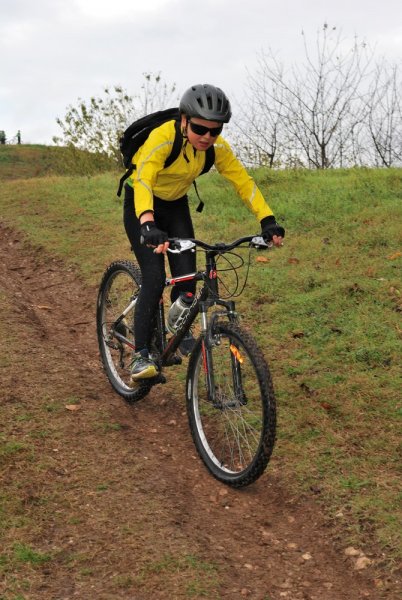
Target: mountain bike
[229,393]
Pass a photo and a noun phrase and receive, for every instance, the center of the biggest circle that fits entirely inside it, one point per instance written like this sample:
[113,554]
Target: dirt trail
[121,492]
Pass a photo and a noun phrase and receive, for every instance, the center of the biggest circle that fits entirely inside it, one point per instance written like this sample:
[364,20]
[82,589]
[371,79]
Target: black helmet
[206,102]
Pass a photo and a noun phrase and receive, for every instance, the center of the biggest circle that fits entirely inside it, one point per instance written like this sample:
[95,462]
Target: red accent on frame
[172,281]
[204,357]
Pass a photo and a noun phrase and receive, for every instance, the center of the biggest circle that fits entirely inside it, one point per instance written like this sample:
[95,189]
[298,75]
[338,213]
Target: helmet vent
[206,102]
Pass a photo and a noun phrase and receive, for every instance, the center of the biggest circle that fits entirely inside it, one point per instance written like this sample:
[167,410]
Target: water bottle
[178,311]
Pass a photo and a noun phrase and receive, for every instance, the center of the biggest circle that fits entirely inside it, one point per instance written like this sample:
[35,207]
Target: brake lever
[179,246]
[259,243]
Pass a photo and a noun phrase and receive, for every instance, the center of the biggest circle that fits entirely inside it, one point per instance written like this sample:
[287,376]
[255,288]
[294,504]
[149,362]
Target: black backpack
[137,133]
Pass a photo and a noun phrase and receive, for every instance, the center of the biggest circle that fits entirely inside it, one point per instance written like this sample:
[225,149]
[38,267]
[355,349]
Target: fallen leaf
[362,563]
[350,551]
[307,556]
[73,407]
[394,256]
[262,259]
[293,261]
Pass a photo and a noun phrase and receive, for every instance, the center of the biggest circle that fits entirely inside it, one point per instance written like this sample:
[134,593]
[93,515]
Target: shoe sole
[145,374]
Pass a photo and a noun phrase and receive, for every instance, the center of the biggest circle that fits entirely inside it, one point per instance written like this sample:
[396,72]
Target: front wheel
[117,297]
[231,405]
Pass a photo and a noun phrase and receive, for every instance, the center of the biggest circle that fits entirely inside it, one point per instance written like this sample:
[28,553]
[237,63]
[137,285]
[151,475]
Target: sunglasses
[201,130]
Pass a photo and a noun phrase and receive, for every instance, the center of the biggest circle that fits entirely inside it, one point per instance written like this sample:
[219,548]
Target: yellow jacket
[151,178]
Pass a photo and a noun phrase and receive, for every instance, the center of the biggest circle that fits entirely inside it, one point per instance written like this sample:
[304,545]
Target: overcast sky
[53,52]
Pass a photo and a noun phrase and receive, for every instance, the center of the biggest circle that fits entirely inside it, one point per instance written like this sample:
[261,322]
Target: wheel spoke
[115,323]
[235,434]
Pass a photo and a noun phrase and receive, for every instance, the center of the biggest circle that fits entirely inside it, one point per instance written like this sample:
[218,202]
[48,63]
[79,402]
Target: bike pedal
[174,360]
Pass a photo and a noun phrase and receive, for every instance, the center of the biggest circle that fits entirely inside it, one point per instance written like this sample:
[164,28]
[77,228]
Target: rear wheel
[118,290]
[234,428]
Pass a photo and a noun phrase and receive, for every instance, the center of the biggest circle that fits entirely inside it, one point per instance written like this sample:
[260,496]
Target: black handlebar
[181,245]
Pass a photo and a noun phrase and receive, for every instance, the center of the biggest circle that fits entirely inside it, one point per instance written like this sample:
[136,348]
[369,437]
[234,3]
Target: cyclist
[156,205]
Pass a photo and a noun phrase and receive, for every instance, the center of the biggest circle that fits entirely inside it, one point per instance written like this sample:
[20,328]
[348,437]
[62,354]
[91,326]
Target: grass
[201,576]
[34,160]
[25,554]
[325,308]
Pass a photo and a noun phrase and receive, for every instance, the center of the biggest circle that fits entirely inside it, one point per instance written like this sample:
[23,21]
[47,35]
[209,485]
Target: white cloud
[106,10]
[54,51]
[390,45]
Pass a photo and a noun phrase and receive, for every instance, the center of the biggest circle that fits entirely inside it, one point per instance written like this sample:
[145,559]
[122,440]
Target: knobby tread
[260,462]
[130,268]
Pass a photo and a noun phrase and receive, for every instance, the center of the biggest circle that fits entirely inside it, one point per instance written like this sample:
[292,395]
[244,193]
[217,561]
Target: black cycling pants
[174,218]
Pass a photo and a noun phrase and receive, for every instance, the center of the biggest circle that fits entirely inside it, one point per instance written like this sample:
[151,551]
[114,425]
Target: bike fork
[236,360]
[206,348]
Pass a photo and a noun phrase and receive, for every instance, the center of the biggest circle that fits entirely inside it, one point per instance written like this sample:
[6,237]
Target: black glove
[269,228]
[151,235]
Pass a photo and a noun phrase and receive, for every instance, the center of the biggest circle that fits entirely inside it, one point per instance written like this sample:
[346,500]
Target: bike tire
[120,283]
[235,435]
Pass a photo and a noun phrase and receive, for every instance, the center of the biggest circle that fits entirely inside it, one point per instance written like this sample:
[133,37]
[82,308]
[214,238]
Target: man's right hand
[153,237]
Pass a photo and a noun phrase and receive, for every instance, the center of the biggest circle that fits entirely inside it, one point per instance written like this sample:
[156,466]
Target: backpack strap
[177,145]
[209,160]
[209,163]
[124,177]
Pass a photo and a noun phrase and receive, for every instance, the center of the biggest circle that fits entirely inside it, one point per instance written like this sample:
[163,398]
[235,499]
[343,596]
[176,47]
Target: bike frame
[207,296]
[229,393]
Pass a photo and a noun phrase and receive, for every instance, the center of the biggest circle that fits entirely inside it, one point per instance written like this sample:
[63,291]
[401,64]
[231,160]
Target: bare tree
[316,107]
[97,124]
[259,129]
[384,121]
[155,94]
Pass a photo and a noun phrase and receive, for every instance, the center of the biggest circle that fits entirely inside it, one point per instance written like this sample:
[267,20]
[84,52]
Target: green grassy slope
[25,160]
[325,308]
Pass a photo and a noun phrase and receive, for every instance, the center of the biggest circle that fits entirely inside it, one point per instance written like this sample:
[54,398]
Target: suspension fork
[236,360]
[206,348]
[208,342]
[206,328]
